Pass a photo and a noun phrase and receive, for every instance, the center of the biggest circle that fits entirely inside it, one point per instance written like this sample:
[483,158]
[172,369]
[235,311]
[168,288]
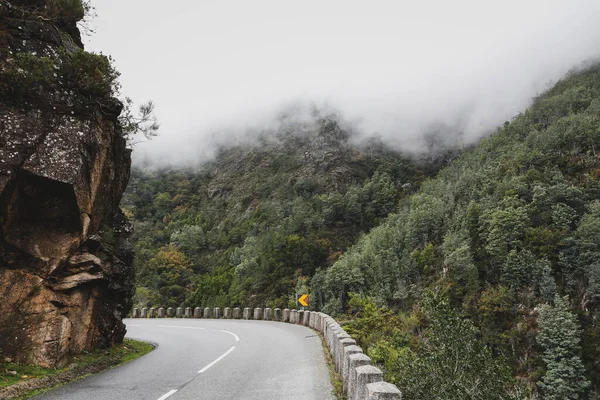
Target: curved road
[213,359]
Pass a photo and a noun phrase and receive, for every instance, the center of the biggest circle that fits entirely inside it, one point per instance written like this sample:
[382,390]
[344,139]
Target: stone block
[345,374]
[286,315]
[144,312]
[306,319]
[331,337]
[277,315]
[268,316]
[319,322]
[293,316]
[300,320]
[383,391]
[247,313]
[179,312]
[135,313]
[328,336]
[217,313]
[322,319]
[354,361]
[170,312]
[363,376]
[197,312]
[330,324]
[161,312]
[341,334]
[237,313]
[258,313]
[227,313]
[206,312]
[188,312]
[339,355]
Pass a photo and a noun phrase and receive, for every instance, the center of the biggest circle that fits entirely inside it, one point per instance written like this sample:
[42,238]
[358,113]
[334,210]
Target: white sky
[394,65]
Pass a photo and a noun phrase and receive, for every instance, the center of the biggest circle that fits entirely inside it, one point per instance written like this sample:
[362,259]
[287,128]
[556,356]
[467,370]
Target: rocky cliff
[65,267]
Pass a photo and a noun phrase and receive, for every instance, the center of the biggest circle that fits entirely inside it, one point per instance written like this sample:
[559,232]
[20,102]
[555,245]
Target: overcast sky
[396,66]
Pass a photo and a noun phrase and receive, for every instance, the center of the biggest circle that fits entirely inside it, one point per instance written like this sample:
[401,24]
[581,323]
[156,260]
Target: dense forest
[493,267]
[251,226]
[474,276]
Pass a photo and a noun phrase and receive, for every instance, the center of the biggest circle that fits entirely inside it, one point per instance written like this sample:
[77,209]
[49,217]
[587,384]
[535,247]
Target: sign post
[302,300]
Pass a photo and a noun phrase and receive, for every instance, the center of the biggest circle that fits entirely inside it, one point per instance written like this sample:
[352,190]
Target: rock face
[66,277]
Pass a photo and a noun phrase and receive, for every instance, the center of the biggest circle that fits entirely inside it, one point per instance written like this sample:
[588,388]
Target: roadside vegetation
[336,382]
[25,381]
[506,239]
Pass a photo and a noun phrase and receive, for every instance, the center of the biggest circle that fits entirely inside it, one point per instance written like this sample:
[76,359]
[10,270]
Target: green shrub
[91,75]
[25,73]
[67,10]
[451,362]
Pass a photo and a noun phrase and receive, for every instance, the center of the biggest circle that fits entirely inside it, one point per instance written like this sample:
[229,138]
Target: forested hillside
[255,224]
[492,269]
[482,283]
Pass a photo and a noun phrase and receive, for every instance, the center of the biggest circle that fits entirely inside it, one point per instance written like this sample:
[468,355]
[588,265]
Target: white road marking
[182,327]
[171,393]
[237,338]
[216,361]
[203,370]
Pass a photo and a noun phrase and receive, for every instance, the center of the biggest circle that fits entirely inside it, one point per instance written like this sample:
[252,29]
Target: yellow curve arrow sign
[303,300]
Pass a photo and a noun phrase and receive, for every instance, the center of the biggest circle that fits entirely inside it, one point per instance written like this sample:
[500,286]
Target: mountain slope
[509,225]
[485,277]
[249,227]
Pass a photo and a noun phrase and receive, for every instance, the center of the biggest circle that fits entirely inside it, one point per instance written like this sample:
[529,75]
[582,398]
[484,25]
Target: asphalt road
[213,359]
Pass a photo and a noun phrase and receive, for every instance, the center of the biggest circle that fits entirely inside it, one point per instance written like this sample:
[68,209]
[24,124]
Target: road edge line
[203,370]
[167,395]
[237,338]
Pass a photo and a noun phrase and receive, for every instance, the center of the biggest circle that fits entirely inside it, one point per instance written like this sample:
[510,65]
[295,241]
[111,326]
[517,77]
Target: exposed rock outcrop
[66,277]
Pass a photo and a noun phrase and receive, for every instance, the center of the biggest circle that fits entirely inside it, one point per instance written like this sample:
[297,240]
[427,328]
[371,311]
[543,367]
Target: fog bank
[216,69]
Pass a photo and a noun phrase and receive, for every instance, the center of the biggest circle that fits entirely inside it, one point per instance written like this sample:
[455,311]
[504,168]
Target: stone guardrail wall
[361,380]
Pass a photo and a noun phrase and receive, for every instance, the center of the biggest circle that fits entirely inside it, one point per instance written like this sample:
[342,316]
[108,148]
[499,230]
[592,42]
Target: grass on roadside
[125,352]
[12,373]
[336,382]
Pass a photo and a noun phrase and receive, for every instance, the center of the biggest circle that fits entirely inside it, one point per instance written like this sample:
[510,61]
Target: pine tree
[560,340]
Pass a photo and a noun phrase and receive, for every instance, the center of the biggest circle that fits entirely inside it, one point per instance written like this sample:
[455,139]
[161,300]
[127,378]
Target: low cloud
[218,70]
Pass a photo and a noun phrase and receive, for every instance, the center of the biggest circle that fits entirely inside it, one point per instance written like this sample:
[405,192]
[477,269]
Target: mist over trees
[509,225]
[484,262]
[256,220]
